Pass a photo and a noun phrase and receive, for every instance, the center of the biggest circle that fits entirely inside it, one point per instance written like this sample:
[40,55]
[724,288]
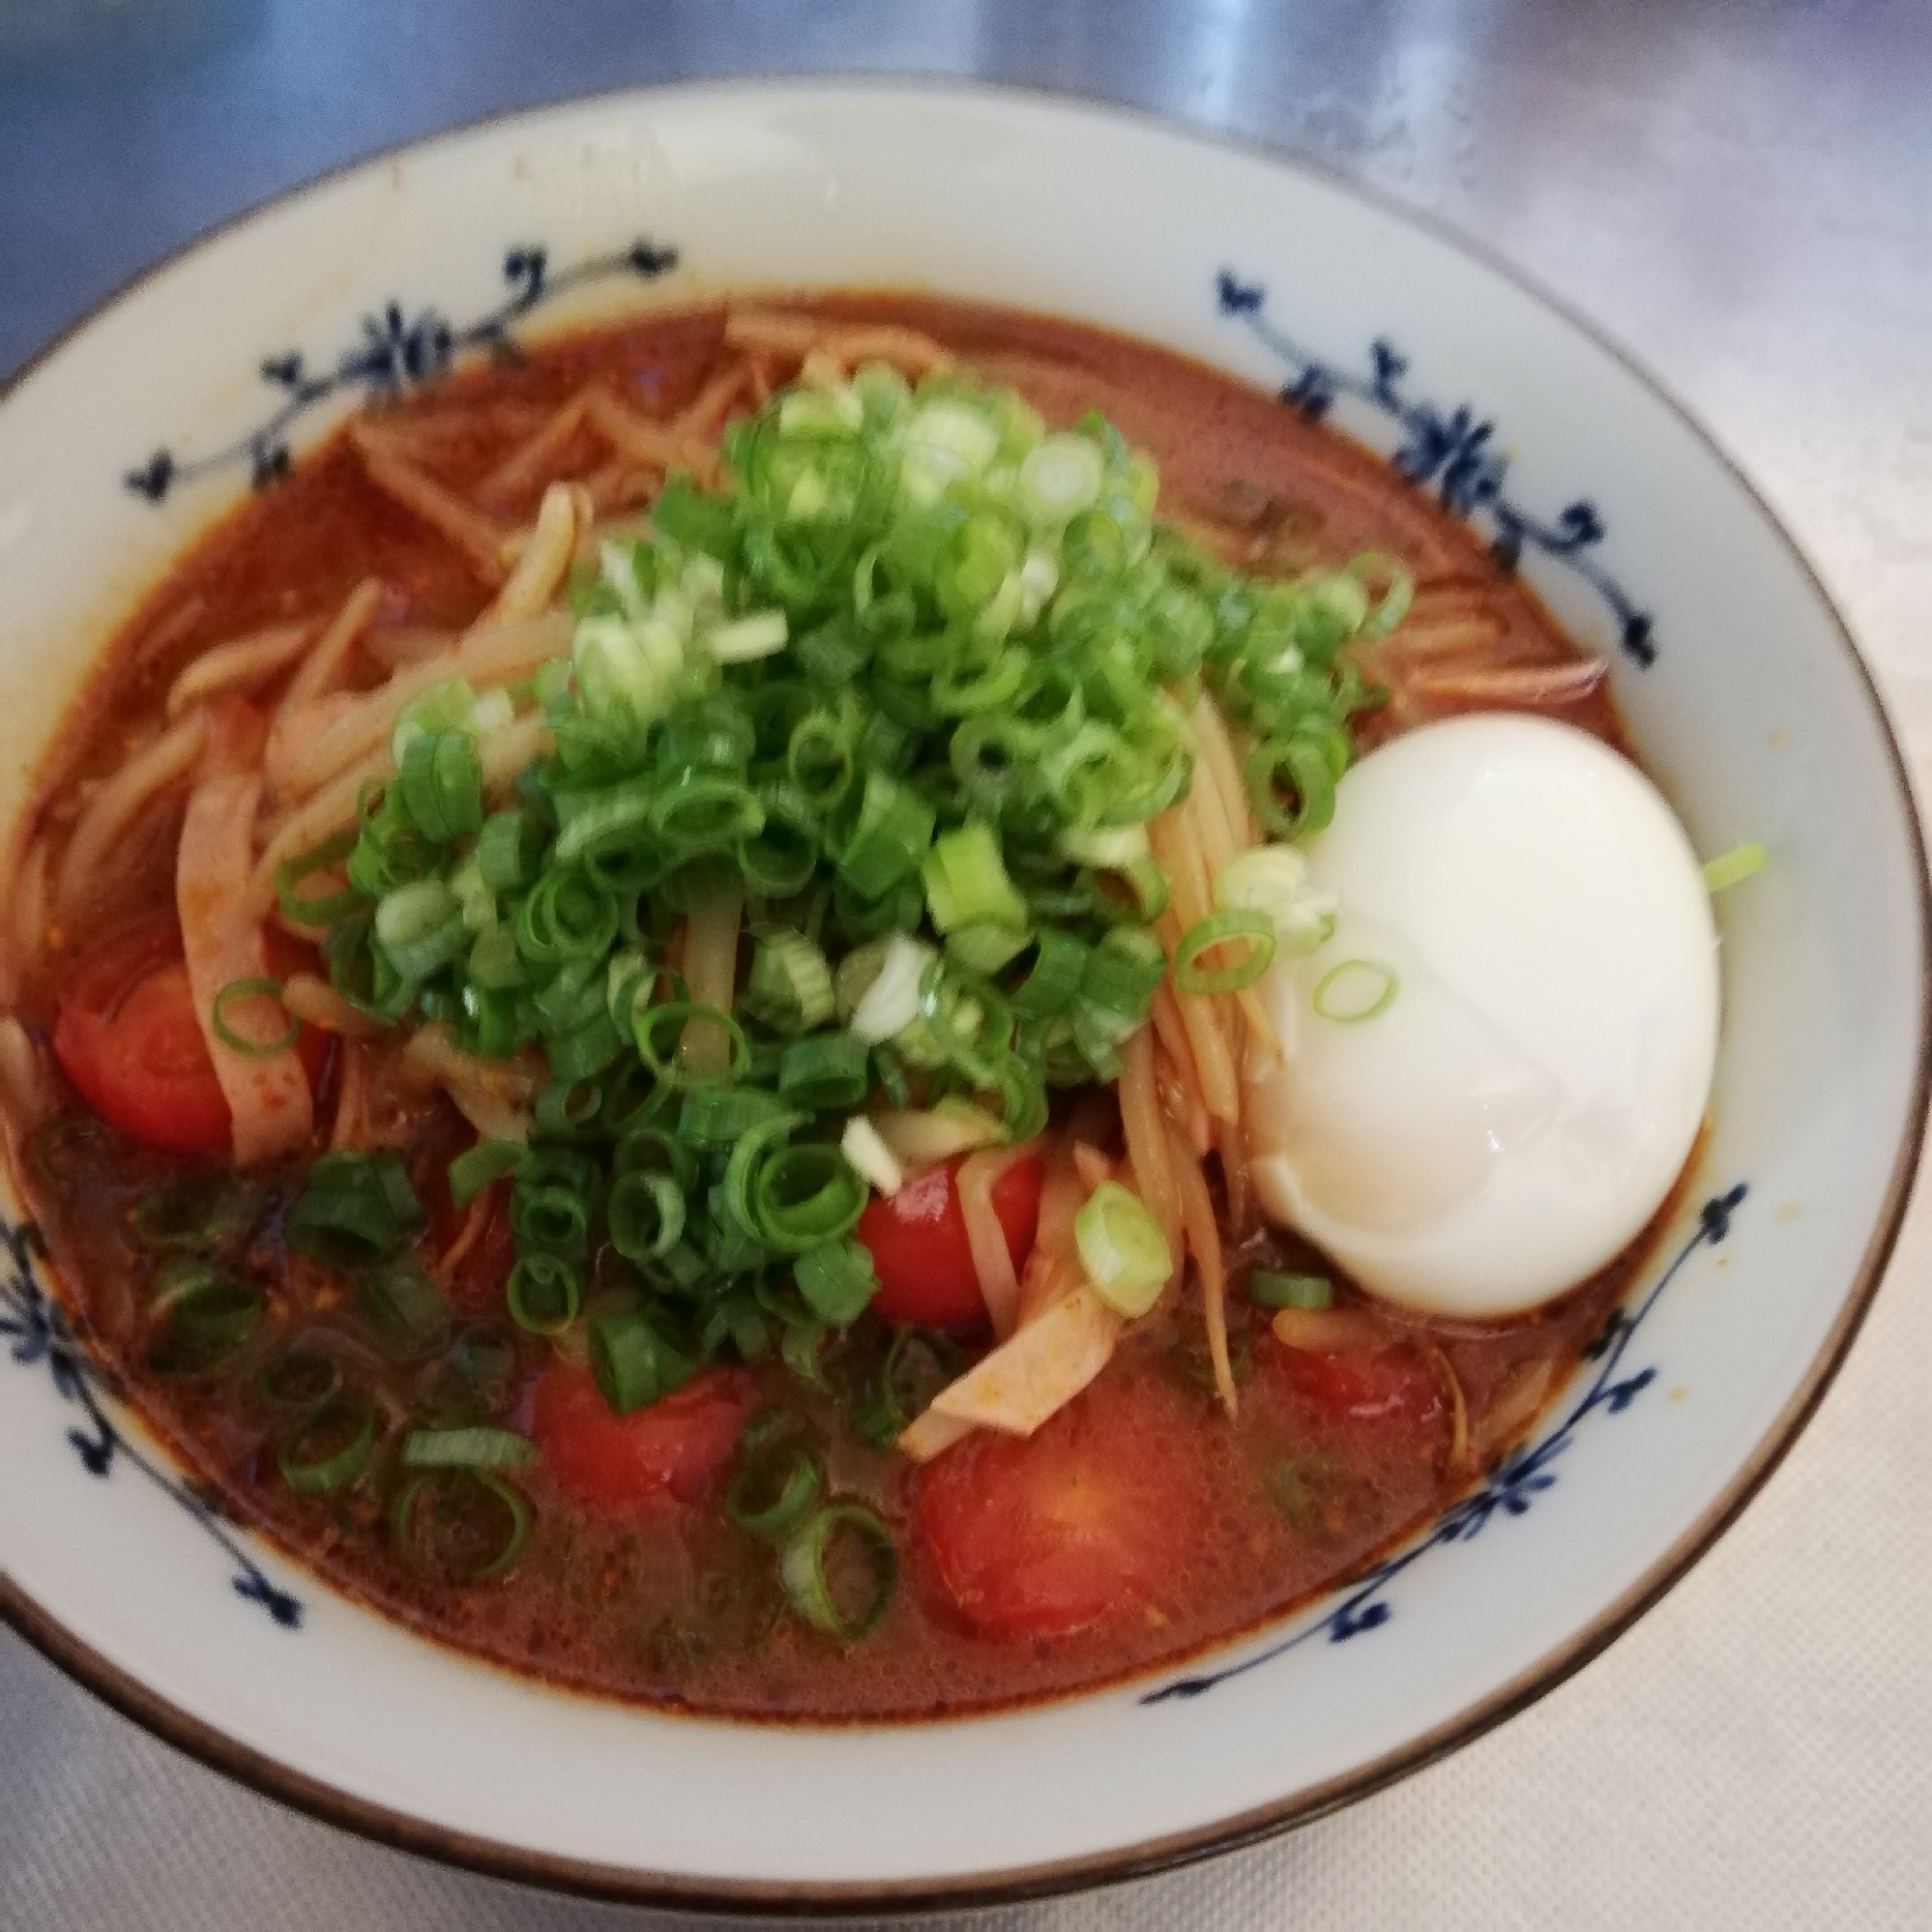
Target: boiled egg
[1495,1065]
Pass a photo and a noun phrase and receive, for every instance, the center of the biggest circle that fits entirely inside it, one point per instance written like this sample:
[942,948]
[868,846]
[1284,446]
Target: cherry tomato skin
[615,1465]
[129,1040]
[920,1250]
[1083,1520]
[1390,1386]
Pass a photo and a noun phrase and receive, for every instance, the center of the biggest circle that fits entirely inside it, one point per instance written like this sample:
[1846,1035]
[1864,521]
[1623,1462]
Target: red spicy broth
[1136,1525]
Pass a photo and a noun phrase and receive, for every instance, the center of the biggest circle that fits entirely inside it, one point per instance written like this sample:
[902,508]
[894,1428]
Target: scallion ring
[545,1293]
[1356,990]
[331,1448]
[840,1569]
[1253,930]
[257,987]
[772,1494]
[463,1525]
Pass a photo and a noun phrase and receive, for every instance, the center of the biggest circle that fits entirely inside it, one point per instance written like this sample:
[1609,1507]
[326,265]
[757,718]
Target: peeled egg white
[1506,1124]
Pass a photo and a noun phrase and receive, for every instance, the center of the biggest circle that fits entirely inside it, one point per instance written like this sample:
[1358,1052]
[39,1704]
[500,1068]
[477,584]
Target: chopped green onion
[918,1366]
[1060,479]
[966,881]
[771,1495]
[632,1363]
[661,1030]
[791,985]
[1271,1288]
[544,1293]
[647,1214]
[1122,1250]
[1733,868]
[404,1304]
[197,1210]
[354,1208]
[482,1166]
[840,1569]
[257,988]
[836,1281]
[200,1316]
[480,1447]
[317,909]
[748,638]
[461,1525]
[883,839]
[1208,935]
[331,1448]
[1356,990]
[825,1070]
[890,1003]
[421,928]
[510,849]
[1274,879]
[440,779]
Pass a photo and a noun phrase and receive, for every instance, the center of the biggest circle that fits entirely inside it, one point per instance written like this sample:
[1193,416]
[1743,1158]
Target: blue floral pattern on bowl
[1453,449]
[398,350]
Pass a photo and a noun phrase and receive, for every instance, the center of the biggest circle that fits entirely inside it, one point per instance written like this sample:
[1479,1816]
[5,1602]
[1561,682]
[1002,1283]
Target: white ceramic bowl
[1740,685]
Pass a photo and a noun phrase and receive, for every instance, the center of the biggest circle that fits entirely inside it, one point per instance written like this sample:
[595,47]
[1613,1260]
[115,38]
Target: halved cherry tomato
[1392,1384]
[919,1250]
[129,1038]
[616,1464]
[1084,1519]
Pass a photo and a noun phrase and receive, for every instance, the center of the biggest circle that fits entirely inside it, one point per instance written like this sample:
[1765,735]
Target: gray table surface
[1740,192]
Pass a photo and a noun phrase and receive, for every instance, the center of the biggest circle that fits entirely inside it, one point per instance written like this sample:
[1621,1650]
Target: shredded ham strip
[329,810]
[243,665]
[992,1259]
[1204,1238]
[23,1078]
[489,656]
[495,1096]
[267,1096]
[314,1002]
[467,528]
[528,464]
[352,1098]
[711,972]
[323,669]
[1146,1143]
[1027,1378]
[641,442]
[150,772]
[1221,761]
[27,905]
[704,416]
[545,558]
[1524,686]
[467,1237]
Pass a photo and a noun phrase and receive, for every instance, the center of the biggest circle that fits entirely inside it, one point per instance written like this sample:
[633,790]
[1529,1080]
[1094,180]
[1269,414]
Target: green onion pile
[909,690]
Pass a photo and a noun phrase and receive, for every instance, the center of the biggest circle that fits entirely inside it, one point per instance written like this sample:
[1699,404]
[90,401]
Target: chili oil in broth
[673,1605]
